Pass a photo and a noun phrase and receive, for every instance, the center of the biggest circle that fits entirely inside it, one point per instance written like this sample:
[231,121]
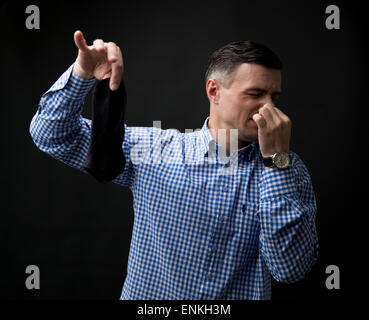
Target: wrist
[78,87]
[81,73]
[281,160]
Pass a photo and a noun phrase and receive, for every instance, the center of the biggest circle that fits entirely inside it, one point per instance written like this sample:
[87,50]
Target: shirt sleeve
[59,129]
[288,237]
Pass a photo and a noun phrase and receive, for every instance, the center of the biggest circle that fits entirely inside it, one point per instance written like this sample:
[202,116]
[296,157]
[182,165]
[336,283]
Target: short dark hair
[227,58]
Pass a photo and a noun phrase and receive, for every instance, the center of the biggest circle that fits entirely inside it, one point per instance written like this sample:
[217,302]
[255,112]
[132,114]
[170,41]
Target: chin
[249,136]
[249,139]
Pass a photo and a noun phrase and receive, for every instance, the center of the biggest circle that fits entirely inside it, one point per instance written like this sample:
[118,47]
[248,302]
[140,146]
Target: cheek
[245,108]
[227,107]
[233,104]
[236,109]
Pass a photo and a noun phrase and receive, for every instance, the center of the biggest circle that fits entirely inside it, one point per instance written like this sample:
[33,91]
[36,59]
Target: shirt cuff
[276,182]
[72,86]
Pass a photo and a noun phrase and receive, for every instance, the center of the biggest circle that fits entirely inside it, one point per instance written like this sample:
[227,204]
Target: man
[227,206]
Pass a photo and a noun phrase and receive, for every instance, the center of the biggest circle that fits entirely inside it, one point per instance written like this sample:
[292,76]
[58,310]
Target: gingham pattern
[201,230]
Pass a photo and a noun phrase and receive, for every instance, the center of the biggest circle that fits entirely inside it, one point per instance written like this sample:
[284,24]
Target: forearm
[287,217]
[58,128]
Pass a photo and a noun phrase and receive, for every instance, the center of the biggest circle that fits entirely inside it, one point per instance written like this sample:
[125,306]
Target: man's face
[252,87]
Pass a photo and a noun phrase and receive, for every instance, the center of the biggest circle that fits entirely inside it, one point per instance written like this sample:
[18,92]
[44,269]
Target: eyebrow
[263,91]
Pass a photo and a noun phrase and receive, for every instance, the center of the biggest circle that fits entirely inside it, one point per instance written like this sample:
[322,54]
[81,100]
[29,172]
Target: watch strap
[268,162]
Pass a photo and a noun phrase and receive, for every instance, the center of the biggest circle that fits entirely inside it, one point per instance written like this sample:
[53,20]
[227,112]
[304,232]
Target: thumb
[80,41]
[260,121]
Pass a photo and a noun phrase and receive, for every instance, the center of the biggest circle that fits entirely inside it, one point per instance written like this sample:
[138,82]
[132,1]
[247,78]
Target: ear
[212,90]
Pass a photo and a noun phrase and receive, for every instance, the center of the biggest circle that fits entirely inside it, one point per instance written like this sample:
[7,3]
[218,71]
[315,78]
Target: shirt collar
[206,136]
[208,140]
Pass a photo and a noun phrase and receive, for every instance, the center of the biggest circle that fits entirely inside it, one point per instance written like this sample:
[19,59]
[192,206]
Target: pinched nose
[253,113]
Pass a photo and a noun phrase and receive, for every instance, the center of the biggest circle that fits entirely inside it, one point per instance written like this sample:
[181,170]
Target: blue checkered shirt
[206,225]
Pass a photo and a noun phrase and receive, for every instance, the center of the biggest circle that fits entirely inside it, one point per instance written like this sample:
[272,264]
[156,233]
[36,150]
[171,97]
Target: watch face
[281,160]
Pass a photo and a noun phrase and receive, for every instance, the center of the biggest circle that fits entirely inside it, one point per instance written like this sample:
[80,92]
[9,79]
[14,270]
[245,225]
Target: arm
[288,237]
[58,127]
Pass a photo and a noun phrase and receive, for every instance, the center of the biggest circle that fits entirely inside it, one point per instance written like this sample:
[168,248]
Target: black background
[78,231]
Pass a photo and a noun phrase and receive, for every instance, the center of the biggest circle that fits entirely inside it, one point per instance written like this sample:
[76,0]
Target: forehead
[249,75]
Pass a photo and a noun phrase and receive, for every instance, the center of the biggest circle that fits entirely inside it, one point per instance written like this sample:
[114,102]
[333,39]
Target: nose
[267,99]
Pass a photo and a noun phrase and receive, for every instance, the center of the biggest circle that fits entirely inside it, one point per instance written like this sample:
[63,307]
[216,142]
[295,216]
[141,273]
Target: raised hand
[101,60]
[274,130]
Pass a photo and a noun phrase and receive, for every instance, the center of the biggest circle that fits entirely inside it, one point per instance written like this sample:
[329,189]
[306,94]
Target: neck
[225,135]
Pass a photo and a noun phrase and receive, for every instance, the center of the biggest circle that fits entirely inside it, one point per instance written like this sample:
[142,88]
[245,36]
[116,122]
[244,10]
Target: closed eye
[258,95]
[276,98]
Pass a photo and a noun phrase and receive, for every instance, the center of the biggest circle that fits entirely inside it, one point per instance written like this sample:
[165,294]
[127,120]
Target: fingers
[80,41]
[284,117]
[106,76]
[274,130]
[268,114]
[113,57]
[260,121]
[265,118]
[117,68]
[112,52]
[270,117]
[99,45]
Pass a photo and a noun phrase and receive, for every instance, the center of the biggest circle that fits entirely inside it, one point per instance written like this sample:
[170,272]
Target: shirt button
[221,218]
[208,276]
[225,188]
